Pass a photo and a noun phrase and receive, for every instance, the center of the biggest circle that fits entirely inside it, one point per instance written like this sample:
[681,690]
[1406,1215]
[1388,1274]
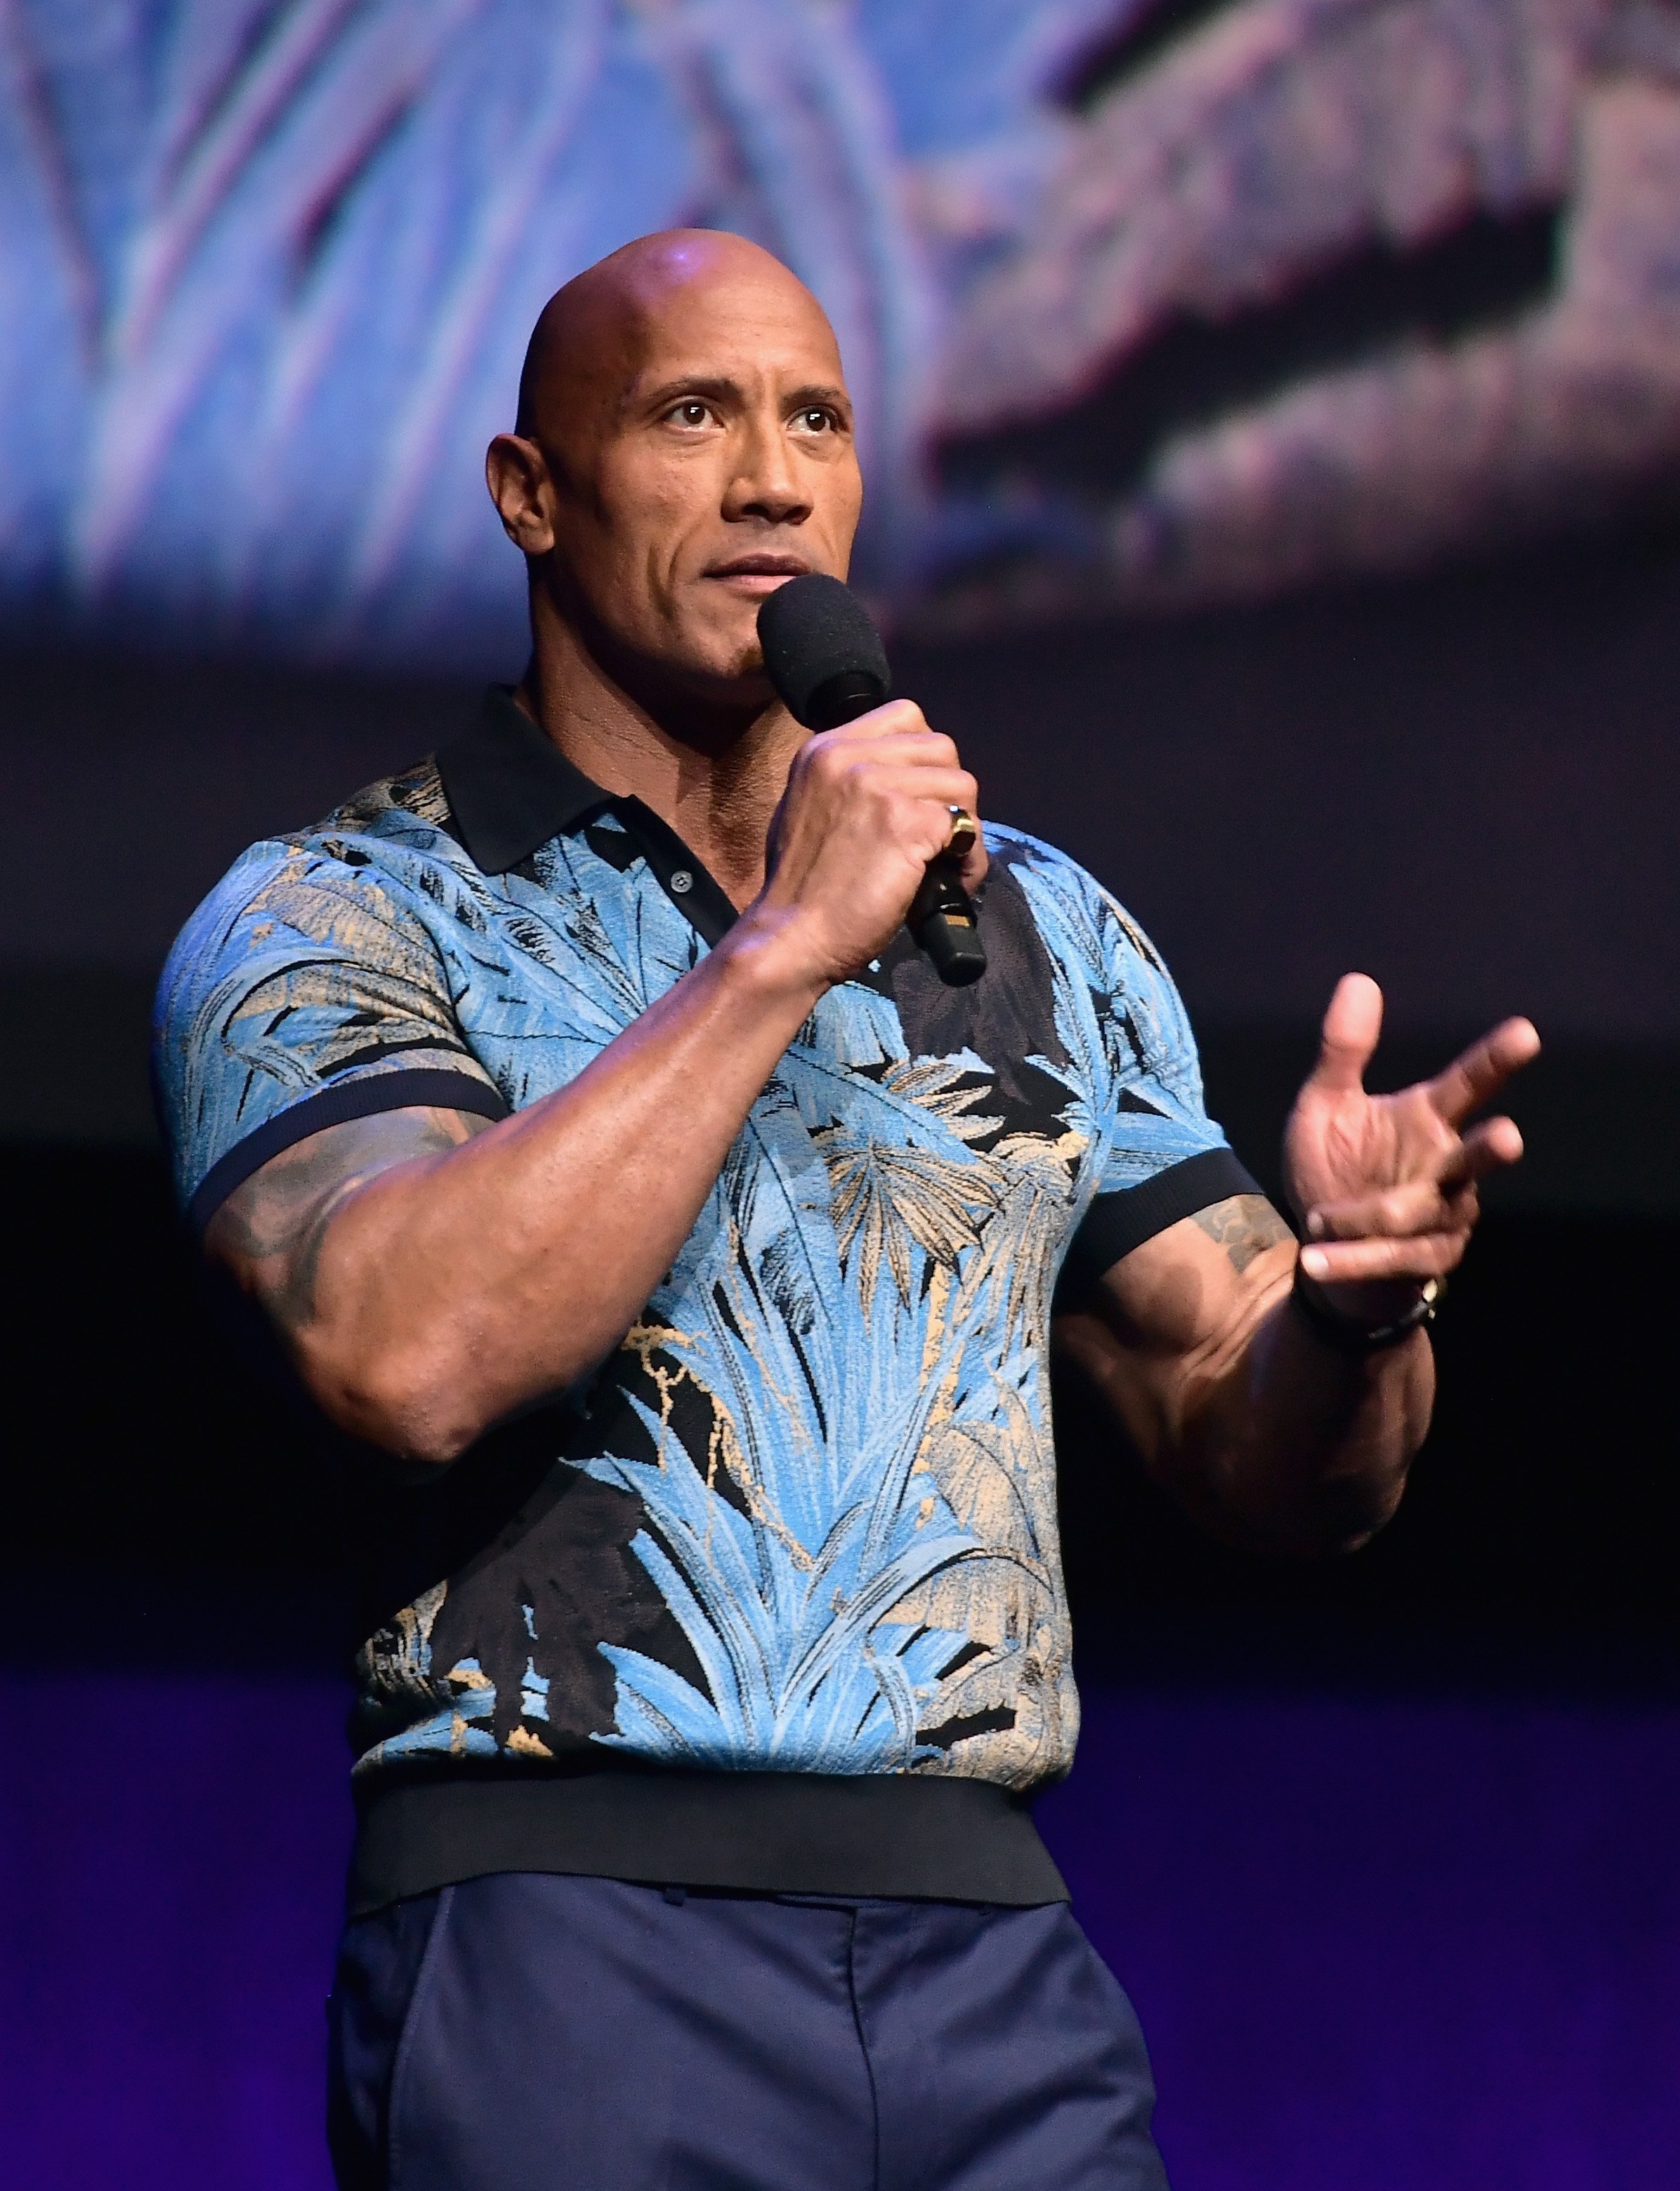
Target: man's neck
[714,778]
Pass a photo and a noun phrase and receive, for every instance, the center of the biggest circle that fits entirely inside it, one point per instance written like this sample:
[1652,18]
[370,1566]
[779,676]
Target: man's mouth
[758,573]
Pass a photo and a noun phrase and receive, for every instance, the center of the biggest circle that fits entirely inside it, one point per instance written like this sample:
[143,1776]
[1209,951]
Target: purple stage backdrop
[1379,1945]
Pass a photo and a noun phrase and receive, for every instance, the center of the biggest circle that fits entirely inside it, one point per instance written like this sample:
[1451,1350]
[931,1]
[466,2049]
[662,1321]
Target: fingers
[890,760]
[891,739]
[867,808]
[932,793]
[882,788]
[1419,1229]
[1419,1255]
[1441,1200]
[1422,1205]
[1480,1072]
[898,736]
[975,863]
[1352,1025]
[1493,1145]
[894,719]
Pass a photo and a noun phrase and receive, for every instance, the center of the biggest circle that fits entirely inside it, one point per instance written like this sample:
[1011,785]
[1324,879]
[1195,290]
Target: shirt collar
[509,788]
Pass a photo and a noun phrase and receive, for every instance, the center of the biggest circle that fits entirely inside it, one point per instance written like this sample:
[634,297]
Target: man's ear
[516,473]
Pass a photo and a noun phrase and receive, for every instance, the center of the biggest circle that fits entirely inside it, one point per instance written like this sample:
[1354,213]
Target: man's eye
[691,413]
[815,421]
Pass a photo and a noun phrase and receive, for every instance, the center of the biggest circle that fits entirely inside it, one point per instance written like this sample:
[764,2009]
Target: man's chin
[721,654]
[701,655]
[718,673]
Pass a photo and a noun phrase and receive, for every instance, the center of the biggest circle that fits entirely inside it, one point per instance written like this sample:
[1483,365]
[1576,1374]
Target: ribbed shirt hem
[895,1836]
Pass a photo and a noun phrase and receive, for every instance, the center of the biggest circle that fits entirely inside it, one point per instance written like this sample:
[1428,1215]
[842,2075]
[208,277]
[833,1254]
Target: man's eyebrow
[720,387]
[686,383]
[820,391]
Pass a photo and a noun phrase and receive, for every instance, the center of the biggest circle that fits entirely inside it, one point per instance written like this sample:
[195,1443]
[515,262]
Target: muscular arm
[429,1274]
[1260,1431]
[1262,1427]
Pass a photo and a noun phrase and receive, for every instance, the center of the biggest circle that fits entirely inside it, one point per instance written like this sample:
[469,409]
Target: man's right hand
[423,1269]
[865,808]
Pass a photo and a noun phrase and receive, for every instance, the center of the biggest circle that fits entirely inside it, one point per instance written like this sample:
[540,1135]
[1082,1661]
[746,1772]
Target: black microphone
[824,656]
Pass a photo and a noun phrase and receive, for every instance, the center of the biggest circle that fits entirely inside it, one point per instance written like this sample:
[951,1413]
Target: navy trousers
[532,2032]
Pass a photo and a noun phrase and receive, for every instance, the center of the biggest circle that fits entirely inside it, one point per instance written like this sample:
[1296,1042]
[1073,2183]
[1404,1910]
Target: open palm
[1386,1185]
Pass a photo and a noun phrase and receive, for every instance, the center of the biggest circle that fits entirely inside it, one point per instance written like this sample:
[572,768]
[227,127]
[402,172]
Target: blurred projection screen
[1143,305]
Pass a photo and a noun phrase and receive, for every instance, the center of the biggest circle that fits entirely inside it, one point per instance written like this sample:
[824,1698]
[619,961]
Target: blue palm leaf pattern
[796,1610]
[1113,1049]
[834,1413]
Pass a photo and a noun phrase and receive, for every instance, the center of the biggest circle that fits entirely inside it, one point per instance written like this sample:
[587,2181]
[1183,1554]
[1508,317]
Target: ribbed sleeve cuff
[1115,1224]
[415,1087]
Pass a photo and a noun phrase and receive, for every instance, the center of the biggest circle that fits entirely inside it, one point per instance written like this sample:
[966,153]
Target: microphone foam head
[820,642]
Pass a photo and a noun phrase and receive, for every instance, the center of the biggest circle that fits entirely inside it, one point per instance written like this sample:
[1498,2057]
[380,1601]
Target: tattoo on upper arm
[271,1229]
[1245,1226]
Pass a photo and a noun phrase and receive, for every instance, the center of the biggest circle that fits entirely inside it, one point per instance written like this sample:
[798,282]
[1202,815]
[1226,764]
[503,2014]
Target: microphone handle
[941,920]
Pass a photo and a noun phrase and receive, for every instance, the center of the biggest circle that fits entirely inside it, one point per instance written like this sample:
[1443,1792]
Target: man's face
[700,451]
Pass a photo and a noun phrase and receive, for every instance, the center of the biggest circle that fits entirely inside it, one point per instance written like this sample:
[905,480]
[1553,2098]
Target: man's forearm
[1261,1430]
[430,1290]
[449,1290]
[1304,1448]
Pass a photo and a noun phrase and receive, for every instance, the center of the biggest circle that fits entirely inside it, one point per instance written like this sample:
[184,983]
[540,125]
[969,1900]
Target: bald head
[684,447]
[591,336]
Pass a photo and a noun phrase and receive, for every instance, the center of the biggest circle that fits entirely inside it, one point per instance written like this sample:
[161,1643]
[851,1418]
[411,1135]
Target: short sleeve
[305,991]
[1158,1156]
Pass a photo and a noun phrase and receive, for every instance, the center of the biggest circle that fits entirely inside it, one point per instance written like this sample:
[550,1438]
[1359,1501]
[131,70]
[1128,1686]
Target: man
[600,1149]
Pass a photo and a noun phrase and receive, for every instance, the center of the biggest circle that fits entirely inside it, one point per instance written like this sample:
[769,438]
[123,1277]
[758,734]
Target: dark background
[1464,785]
[1382,1849]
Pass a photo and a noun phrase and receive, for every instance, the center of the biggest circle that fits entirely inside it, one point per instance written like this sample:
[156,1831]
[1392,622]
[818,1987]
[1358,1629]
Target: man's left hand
[1386,1185]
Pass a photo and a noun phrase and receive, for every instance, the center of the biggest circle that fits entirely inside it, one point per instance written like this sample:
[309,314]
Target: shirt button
[681,881]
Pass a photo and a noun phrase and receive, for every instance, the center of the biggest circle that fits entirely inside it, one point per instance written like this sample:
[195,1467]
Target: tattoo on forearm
[271,1230]
[1245,1226]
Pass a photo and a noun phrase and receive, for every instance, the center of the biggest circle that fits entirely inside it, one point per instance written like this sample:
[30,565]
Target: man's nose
[767,484]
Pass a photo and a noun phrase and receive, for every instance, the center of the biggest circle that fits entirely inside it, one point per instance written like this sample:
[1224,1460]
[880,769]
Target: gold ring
[964,831]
